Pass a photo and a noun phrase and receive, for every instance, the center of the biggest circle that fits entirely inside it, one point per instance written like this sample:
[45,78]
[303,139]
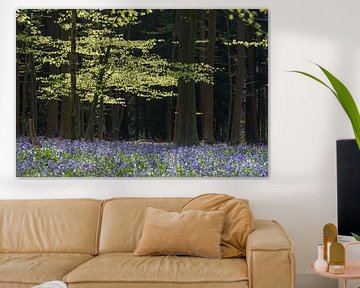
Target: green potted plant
[346,100]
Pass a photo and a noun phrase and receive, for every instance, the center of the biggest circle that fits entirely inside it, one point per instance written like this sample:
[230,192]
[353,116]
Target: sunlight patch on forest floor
[65,158]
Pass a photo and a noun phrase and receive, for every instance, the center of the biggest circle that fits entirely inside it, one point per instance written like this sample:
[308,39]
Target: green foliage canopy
[133,67]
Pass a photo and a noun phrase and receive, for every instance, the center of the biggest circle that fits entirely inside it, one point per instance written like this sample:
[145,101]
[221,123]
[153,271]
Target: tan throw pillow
[196,233]
[239,220]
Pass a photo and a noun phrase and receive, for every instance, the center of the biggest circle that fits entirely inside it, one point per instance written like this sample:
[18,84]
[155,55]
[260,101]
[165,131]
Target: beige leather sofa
[89,243]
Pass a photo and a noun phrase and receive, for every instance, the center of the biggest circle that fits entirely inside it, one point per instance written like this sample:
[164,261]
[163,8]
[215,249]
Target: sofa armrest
[269,256]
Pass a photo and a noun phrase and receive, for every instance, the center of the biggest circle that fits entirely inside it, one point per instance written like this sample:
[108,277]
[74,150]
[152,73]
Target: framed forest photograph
[142,93]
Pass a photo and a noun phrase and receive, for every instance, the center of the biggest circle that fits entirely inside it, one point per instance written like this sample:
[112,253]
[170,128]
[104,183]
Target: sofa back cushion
[66,226]
[123,220]
[238,224]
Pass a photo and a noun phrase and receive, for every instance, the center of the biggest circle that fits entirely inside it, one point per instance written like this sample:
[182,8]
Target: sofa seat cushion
[127,268]
[36,268]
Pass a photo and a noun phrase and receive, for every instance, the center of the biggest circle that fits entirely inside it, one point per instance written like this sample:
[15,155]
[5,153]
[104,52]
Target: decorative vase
[320,264]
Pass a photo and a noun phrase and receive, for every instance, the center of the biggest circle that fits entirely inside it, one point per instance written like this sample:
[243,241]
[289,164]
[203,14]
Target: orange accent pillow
[239,220]
[196,233]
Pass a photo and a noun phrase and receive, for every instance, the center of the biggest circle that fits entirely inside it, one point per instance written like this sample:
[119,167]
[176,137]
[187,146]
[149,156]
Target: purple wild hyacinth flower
[65,158]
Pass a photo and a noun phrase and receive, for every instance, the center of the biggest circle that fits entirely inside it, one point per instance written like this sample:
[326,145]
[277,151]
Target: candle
[336,269]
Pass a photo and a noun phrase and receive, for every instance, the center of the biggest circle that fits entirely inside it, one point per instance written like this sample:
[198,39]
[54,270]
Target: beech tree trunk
[95,102]
[252,133]
[132,109]
[75,111]
[66,101]
[82,120]
[231,93]
[186,133]
[115,129]
[65,122]
[261,62]
[18,107]
[202,59]
[170,101]
[169,113]
[206,90]
[237,109]
[101,118]
[33,97]
[52,127]
[24,103]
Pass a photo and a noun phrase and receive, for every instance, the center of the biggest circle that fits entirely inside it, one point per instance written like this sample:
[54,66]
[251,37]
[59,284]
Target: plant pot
[348,187]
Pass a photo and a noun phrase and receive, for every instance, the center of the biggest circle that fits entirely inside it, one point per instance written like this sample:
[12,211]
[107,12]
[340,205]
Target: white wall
[305,120]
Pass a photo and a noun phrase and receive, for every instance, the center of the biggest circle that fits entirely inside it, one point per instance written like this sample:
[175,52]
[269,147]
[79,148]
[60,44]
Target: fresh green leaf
[356,236]
[344,97]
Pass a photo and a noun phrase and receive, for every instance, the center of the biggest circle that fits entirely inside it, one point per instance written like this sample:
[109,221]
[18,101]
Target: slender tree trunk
[34,111]
[24,103]
[65,123]
[186,133]
[121,119]
[124,123]
[231,93]
[107,122]
[98,89]
[146,119]
[169,113]
[261,63]
[52,127]
[115,111]
[52,117]
[118,112]
[237,112]
[207,91]
[202,59]
[66,101]
[137,118]
[82,121]
[170,100]
[75,111]
[252,135]
[32,133]
[18,93]
[18,107]
[101,118]
[131,110]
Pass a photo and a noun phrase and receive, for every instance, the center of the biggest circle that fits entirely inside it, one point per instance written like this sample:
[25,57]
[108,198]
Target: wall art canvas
[142,93]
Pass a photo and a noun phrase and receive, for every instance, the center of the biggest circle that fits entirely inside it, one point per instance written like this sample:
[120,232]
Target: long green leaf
[344,97]
[347,102]
[357,137]
[316,79]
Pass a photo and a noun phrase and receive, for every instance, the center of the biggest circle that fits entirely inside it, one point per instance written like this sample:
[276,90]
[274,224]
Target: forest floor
[58,158]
